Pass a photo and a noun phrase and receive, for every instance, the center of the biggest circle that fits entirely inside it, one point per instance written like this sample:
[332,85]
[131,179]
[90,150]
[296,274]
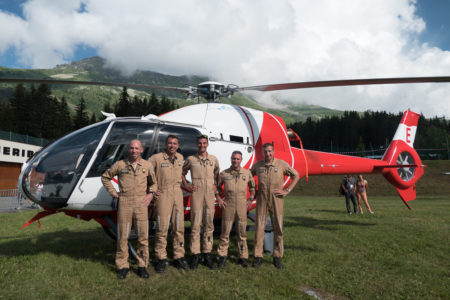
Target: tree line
[368,131]
[35,112]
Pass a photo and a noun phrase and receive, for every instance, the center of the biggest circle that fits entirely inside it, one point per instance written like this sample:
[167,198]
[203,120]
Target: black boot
[277,263]
[222,261]
[257,262]
[122,273]
[243,262]
[194,261]
[142,272]
[181,264]
[161,266]
[208,261]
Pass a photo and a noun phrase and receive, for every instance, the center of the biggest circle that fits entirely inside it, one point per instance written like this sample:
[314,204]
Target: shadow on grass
[298,221]
[334,211]
[92,245]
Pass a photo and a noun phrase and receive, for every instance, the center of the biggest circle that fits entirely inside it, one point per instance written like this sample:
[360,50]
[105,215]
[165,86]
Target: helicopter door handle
[79,187]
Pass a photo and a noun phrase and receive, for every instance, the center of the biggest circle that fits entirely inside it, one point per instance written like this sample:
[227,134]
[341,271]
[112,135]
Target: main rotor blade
[74,82]
[347,82]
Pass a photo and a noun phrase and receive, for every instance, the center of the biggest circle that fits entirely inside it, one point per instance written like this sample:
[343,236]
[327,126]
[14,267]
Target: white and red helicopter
[70,168]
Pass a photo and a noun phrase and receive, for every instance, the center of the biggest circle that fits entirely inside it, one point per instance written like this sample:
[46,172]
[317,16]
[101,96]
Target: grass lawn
[395,253]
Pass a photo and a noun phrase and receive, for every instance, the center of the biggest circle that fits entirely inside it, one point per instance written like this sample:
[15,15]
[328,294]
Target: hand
[191,188]
[222,203]
[147,199]
[279,192]
[249,203]
[158,194]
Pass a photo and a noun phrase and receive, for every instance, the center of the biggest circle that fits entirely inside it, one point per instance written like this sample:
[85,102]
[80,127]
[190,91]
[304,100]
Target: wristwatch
[287,190]
[251,198]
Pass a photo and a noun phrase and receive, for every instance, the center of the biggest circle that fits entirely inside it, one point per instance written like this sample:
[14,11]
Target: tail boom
[400,165]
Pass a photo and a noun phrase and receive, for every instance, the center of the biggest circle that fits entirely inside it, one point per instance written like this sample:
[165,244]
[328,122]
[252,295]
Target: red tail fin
[401,152]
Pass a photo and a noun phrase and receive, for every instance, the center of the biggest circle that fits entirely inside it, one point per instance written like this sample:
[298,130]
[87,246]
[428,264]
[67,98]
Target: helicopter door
[90,194]
[187,138]
[116,144]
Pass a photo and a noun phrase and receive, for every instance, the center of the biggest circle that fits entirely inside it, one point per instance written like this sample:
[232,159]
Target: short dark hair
[202,136]
[267,145]
[171,136]
[236,152]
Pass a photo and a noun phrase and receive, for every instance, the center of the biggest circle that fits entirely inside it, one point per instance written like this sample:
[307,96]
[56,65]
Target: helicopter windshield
[52,174]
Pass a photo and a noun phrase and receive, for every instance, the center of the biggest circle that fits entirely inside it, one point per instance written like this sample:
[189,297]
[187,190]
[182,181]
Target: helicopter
[68,170]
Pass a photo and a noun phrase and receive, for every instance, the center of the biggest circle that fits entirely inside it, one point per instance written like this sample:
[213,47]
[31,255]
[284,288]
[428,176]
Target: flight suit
[135,182]
[270,177]
[169,206]
[235,185]
[203,173]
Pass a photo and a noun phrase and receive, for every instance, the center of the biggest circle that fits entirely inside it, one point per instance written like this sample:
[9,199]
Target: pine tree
[154,106]
[18,108]
[166,105]
[6,117]
[123,107]
[93,119]
[136,107]
[64,119]
[81,118]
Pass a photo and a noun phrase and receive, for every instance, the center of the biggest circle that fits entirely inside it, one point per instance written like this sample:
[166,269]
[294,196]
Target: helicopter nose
[49,193]
[52,174]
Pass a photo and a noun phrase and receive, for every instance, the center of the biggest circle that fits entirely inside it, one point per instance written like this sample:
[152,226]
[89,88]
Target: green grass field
[394,254]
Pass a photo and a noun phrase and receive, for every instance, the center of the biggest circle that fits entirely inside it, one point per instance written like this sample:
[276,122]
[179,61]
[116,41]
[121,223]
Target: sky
[248,42]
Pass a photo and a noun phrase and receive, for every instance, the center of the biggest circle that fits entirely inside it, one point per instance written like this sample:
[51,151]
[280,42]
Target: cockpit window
[52,174]
[187,139]
[116,144]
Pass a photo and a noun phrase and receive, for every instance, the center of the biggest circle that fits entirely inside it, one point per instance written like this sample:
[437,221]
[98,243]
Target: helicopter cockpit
[51,176]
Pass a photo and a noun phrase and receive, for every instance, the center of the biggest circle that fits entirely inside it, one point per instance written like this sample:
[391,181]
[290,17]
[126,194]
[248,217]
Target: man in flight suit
[136,185]
[168,166]
[271,172]
[204,169]
[235,180]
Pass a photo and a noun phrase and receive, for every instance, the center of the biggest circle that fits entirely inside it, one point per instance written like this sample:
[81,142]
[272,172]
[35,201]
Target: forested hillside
[370,133]
[96,97]
[36,112]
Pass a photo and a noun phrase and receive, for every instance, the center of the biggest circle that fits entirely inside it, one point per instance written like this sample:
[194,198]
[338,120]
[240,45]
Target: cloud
[247,43]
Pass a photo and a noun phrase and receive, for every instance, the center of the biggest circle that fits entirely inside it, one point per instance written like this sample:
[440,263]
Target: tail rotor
[404,166]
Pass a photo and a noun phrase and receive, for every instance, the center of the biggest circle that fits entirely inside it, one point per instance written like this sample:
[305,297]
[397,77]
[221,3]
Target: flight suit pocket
[196,171]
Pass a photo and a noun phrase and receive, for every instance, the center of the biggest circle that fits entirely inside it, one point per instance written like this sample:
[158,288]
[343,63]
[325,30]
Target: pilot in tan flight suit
[271,172]
[168,166]
[136,185]
[235,180]
[204,170]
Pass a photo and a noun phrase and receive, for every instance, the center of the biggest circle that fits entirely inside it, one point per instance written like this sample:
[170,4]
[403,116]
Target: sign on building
[14,152]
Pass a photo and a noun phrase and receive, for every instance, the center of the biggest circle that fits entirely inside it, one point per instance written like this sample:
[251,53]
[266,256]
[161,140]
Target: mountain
[96,69]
